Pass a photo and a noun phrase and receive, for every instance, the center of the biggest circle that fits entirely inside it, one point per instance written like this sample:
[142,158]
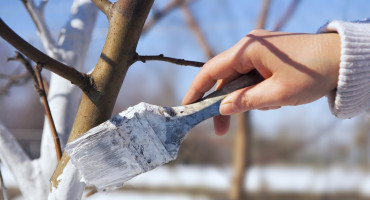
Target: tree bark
[126,19]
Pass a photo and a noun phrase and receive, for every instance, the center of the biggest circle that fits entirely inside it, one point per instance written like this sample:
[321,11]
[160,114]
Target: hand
[298,69]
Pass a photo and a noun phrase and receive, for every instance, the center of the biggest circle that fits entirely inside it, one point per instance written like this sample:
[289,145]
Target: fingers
[266,94]
[226,65]
[206,78]
[221,124]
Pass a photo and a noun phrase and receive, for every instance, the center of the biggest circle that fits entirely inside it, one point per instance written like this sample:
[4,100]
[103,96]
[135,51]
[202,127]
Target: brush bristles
[118,150]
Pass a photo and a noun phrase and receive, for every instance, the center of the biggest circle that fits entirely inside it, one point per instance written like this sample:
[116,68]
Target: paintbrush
[143,137]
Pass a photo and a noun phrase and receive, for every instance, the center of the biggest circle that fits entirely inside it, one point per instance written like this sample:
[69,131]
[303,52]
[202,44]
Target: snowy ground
[140,196]
[274,178]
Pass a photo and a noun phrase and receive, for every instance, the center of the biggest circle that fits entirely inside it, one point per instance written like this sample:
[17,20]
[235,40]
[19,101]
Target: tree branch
[158,15]
[42,94]
[104,6]
[262,19]
[288,14]
[27,64]
[43,5]
[161,57]
[192,23]
[80,79]
[14,80]
[37,15]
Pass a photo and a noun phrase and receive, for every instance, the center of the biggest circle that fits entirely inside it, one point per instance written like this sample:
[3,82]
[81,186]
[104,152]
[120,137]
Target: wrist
[329,57]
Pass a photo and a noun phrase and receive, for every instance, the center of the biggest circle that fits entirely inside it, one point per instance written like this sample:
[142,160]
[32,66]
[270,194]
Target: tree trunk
[126,19]
[241,156]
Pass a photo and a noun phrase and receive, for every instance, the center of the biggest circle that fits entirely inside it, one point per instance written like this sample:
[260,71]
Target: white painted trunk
[64,97]
[70,187]
[26,172]
[33,176]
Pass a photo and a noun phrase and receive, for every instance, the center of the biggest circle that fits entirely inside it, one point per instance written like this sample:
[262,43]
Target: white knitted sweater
[352,95]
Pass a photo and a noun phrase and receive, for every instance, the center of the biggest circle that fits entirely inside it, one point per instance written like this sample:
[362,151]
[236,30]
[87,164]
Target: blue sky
[224,23]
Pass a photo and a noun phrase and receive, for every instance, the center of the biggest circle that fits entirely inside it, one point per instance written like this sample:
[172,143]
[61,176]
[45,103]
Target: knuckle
[245,103]
[257,32]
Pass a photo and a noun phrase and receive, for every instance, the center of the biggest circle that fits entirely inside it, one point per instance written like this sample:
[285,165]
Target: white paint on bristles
[122,147]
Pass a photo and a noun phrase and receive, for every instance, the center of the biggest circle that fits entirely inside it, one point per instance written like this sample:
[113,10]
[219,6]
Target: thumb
[262,95]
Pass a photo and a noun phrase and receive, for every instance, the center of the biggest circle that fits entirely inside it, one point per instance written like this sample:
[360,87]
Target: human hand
[298,69]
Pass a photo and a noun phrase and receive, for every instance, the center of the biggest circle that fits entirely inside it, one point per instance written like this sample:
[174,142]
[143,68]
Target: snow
[139,196]
[273,178]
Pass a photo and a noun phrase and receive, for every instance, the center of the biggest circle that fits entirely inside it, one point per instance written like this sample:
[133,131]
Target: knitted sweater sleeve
[352,95]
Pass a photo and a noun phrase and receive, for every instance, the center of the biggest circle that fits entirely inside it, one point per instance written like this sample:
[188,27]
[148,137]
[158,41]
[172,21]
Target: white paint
[27,173]
[64,97]
[33,177]
[77,24]
[69,186]
[121,148]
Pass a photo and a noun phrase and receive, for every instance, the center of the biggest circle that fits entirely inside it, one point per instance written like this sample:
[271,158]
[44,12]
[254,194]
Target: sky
[224,23]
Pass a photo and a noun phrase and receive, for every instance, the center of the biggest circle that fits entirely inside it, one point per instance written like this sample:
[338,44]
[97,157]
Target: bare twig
[262,19]
[80,79]
[104,6]
[161,57]
[196,30]
[27,64]
[37,15]
[158,15]
[42,5]
[42,94]
[288,14]
[17,79]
